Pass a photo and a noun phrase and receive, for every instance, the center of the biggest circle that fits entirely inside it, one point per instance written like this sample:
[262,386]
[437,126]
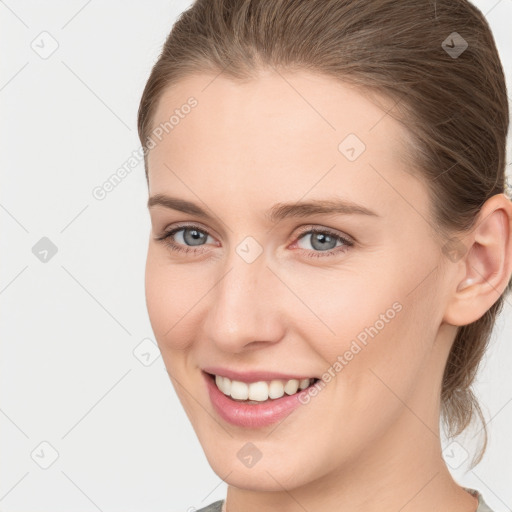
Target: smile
[255,404]
[260,391]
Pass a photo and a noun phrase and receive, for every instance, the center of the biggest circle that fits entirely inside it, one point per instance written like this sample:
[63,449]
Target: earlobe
[486,265]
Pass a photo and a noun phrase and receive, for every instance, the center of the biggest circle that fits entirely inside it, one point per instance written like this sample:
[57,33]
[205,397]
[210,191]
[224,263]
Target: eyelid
[347,240]
[302,230]
[183,225]
[324,229]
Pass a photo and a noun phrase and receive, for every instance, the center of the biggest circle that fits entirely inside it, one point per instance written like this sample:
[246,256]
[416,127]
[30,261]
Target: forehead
[294,132]
[273,107]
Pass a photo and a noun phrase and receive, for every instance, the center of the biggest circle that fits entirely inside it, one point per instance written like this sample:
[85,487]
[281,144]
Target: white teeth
[291,387]
[261,390]
[275,389]
[239,390]
[258,391]
[223,384]
[304,383]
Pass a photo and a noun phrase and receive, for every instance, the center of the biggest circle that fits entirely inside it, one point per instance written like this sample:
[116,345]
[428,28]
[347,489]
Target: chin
[274,474]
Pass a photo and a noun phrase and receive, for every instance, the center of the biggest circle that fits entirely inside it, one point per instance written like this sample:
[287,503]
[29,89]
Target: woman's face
[358,305]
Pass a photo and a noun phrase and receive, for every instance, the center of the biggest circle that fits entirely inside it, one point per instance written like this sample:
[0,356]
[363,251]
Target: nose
[244,311]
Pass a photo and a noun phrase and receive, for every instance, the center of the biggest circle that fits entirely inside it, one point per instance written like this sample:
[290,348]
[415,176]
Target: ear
[484,263]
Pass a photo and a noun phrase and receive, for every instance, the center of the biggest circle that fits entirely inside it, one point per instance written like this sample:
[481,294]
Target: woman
[330,243]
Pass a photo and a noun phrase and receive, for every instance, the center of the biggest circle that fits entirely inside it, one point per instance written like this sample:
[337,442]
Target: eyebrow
[278,212]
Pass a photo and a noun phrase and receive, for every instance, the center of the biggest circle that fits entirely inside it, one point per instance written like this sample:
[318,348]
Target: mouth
[255,404]
[259,392]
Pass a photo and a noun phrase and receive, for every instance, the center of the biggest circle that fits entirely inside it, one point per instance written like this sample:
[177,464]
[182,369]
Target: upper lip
[254,375]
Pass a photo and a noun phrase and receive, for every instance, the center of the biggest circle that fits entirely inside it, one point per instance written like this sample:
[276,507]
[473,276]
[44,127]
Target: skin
[370,439]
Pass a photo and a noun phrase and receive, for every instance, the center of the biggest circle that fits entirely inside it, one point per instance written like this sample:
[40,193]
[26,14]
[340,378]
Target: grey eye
[191,236]
[320,241]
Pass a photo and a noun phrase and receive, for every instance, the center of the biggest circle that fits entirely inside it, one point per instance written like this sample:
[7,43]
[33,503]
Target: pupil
[321,241]
[192,236]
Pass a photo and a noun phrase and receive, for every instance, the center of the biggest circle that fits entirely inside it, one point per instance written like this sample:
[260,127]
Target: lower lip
[247,415]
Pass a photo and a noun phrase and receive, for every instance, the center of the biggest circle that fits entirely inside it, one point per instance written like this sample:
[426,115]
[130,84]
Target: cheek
[351,308]
[380,334]
[169,301]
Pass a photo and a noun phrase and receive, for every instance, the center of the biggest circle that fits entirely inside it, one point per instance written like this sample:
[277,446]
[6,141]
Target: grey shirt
[482,506]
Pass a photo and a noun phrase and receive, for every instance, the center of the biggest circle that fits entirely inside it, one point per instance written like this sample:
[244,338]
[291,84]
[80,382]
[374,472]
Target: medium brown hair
[454,106]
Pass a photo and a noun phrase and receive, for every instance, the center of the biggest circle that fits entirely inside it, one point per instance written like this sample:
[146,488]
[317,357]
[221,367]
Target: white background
[69,376]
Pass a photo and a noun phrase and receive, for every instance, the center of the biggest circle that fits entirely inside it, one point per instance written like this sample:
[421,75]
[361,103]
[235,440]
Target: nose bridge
[241,309]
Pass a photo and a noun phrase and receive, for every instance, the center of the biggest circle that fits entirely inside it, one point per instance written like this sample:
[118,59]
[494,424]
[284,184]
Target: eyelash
[167,237]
